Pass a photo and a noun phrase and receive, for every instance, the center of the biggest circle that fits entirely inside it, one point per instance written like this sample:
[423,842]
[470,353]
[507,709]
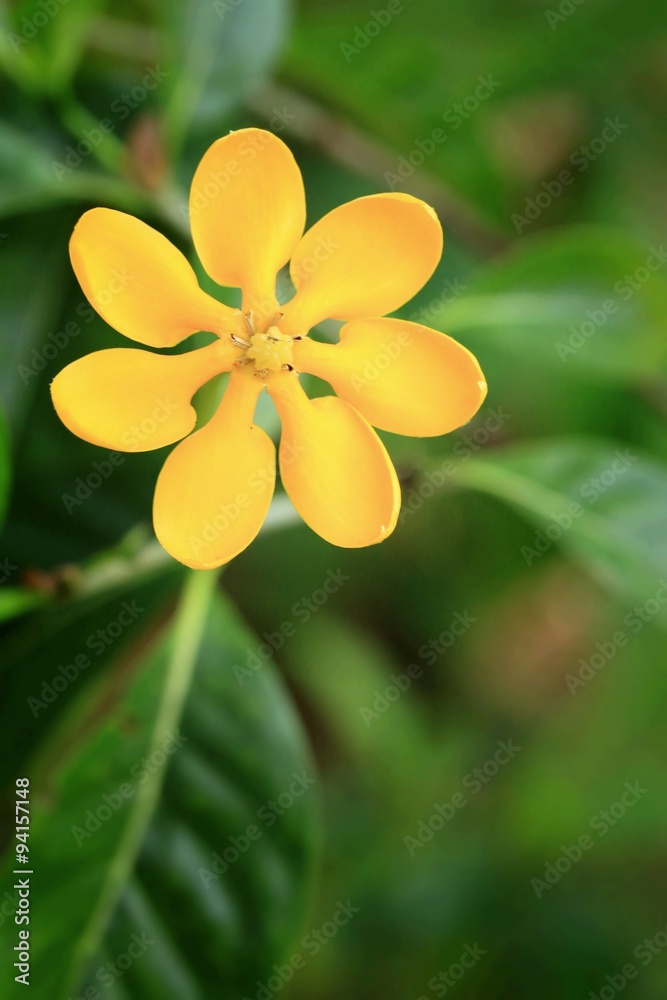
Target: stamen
[249,322]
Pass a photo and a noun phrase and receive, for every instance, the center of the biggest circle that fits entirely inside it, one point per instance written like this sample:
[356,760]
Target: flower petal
[403,377]
[139,282]
[130,400]
[334,467]
[247,212]
[366,258]
[215,488]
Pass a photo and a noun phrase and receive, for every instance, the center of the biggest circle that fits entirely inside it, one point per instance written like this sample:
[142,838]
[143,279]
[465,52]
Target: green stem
[503,309]
[22,72]
[510,486]
[534,498]
[189,627]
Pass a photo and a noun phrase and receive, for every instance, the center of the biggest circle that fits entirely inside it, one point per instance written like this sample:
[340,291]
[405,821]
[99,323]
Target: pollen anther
[271,351]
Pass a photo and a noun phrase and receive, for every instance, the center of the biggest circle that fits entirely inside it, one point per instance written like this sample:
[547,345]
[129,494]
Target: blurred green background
[474,710]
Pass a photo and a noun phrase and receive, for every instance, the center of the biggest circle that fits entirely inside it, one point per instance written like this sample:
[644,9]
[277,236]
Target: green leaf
[39,682]
[184,757]
[584,300]
[65,42]
[35,173]
[44,42]
[34,268]
[416,74]
[222,50]
[601,502]
[55,516]
[27,180]
[16,601]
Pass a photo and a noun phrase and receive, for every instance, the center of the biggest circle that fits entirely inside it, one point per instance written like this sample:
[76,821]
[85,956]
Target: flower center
[270,351]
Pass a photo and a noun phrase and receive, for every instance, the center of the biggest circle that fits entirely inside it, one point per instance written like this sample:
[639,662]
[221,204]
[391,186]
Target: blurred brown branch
[350,146]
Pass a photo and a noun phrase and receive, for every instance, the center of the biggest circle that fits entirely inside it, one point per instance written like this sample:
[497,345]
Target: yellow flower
[361,261]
